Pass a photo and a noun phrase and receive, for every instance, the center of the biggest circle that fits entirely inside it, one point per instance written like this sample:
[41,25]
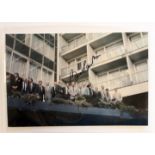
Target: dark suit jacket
[40,92]
[17,83]
[53,91]
[33,89]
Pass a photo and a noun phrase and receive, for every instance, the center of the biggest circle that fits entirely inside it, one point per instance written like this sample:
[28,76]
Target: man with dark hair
[16,83]
[31,86]
[40,91]
[90,90]
[97,93]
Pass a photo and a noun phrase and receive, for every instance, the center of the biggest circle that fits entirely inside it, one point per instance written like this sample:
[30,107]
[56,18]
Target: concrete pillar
[125,42]
[91,75]
[130,68]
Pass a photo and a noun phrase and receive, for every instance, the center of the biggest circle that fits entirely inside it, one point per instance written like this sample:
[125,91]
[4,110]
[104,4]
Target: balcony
[124,83]
[139,55]
[74,44]
[105,39]
[74,53]
[118,82]
[93,36]
[76,68]
[70,36]
[140,77]
[138,44]
[110,54]
[104,66]
[66,71]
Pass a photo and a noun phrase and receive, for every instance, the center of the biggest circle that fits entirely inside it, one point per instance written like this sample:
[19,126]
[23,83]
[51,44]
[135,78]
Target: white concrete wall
[97,81]
[134,89]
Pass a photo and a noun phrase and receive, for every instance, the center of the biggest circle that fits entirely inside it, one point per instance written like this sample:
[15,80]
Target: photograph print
[77,79]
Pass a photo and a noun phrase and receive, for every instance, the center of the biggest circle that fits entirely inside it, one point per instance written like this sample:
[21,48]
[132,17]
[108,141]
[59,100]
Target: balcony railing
[92,36]
[67,70]
[108,55]
[118,82]
[138,44]
[140,76]
[75,43]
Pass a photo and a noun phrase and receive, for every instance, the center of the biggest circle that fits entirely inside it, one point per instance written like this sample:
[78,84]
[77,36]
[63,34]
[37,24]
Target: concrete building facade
[122,61]
[31,55]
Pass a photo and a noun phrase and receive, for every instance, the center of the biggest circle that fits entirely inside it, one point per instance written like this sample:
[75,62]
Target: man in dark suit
[58,90]
[31,87]
[40,91]
[16,83]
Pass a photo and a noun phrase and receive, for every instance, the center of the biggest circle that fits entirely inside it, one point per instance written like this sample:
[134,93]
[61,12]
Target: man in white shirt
[107,96]
[83,89]
[48,93]
[73,91]
[102,93]
[88,91]
[117,98]
[25,86]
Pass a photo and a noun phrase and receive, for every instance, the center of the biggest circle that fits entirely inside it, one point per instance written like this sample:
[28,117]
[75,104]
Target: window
[47,77]
[21,48]
[21,37]
[35,72]
[9,41]
[37,44]
[48,63]
[18,65]
[36,56]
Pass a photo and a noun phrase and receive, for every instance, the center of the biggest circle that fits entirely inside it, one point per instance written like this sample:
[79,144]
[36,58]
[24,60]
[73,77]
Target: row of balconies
[93,36]
[81,41]
[123,81]
[108,55]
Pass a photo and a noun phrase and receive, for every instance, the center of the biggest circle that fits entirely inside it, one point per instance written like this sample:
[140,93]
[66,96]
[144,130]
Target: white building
[122,61]
[31,55]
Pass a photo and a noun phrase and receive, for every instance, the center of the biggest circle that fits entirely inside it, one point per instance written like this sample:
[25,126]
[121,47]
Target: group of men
[87,90]
[24,86]
[66,91]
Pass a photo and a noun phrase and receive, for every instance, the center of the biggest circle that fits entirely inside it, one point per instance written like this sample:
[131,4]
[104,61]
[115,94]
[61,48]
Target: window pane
[35,72]
[19,65]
